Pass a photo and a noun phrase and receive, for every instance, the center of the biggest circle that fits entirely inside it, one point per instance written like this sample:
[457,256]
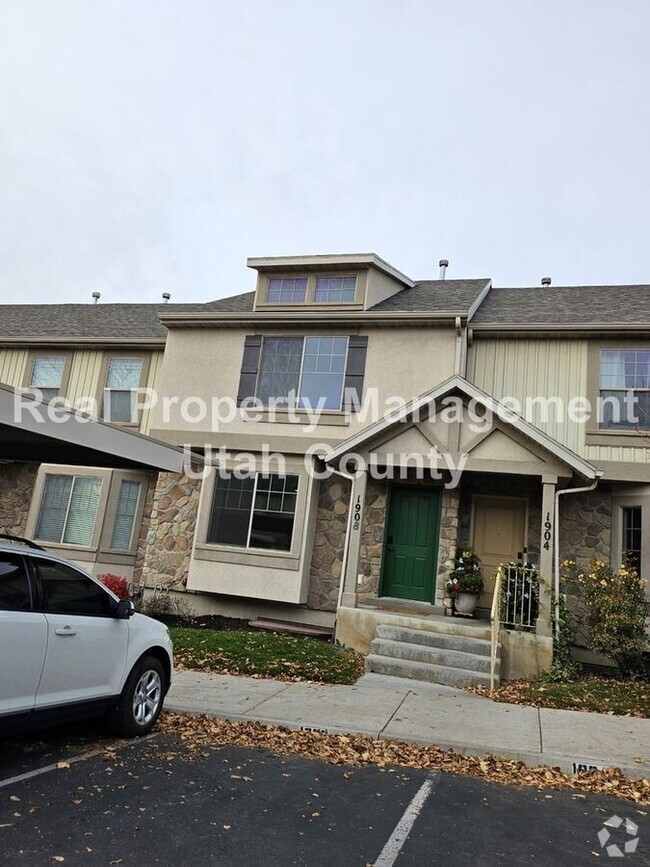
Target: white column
[543,625]
[353,541]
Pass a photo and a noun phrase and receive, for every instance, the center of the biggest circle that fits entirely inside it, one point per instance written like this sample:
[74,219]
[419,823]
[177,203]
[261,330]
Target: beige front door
[499,535]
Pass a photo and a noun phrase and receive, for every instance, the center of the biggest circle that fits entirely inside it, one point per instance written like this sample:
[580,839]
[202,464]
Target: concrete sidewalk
[426,714]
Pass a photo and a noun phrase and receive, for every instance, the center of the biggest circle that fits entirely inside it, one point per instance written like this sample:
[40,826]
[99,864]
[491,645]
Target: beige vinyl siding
[84,377]
[530,368]
[618,454]
[13,363]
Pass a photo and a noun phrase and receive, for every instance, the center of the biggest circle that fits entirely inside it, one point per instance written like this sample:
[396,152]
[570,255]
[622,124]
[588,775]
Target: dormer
[348,281]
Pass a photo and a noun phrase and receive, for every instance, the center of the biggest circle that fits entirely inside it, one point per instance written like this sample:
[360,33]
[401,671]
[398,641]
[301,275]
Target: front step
[465,643]
[454,658]
[424,671]
[432,655]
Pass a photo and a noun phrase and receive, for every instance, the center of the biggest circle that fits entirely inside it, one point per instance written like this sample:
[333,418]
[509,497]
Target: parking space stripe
[46,769]
[403,828]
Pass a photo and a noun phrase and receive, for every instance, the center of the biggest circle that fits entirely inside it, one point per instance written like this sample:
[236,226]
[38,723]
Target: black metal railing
[519,596]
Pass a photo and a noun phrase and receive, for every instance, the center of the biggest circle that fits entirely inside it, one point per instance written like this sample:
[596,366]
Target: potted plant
[465,583]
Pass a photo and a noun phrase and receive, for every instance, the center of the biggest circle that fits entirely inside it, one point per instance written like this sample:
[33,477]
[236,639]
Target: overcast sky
[153,146]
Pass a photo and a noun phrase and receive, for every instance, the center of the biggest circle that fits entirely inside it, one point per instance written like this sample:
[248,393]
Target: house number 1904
[548,534]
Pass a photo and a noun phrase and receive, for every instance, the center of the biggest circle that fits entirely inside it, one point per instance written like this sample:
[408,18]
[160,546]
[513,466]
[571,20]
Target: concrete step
[432,655]
[424,671]
[464,643]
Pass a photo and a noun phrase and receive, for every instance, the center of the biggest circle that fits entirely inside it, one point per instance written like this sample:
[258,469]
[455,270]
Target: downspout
[556,543]
[459,347]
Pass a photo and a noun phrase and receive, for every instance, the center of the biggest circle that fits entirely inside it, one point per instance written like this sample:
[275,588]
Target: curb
[567,764]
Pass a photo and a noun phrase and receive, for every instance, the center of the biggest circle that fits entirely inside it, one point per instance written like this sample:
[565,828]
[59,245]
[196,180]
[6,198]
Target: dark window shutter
[354,372]
[249,367]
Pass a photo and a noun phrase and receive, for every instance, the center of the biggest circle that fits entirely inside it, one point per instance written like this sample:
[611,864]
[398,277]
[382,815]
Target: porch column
[353,541]
[543,625]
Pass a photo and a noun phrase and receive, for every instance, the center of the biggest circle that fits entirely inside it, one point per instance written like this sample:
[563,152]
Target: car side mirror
[125,609]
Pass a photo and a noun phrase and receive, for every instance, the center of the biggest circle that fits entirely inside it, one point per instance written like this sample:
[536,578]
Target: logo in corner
[613,849]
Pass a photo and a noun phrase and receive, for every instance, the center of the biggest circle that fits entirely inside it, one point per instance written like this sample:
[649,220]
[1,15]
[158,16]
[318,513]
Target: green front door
[411,543]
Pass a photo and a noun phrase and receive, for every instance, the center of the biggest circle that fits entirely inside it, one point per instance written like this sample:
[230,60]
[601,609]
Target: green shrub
[616,607]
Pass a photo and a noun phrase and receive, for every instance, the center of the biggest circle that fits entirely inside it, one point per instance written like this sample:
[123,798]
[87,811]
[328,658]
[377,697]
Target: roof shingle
[434,296]
[565,305]
[104,321]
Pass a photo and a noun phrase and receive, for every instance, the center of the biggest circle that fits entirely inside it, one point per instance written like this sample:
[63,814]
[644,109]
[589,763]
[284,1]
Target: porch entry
[499,535]
[411,543]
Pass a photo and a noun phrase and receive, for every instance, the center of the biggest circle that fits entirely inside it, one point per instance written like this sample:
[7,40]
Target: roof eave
[267,264]
[258,318]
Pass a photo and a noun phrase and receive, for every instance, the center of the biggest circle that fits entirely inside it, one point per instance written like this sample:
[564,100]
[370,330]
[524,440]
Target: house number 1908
[548,534]
[356,514]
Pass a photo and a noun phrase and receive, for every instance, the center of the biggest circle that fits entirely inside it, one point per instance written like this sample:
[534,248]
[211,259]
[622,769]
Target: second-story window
[122,380]
[47,375]
[334,290]
[625,388]
[287,290]
[303,371]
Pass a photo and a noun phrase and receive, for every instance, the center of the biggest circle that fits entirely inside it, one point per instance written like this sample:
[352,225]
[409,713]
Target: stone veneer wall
[372,537]
[17,482]
[329,541]
[586,525]
[448,543]
[164,556]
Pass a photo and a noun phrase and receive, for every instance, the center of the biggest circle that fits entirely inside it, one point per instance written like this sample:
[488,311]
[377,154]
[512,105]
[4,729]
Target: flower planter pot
[466,603]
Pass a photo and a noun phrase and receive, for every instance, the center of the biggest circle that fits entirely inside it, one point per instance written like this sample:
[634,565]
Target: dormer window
[287,290]
[335,290]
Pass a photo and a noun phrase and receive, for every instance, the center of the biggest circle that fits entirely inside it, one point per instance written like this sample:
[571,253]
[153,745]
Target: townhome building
[349,433]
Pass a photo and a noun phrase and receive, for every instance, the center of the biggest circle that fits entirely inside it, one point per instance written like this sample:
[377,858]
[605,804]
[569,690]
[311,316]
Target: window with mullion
[122,380]
[632,534]
[68,509]
[47,375]
[625,388]
[256,511]
[308,372]
[335,290]
[286,290]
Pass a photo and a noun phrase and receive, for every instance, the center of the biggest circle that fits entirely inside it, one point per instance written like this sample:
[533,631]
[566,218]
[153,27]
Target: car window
[14,585]
[67,591]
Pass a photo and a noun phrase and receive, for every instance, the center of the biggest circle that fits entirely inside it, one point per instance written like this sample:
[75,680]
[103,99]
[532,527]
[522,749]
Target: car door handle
[65,630]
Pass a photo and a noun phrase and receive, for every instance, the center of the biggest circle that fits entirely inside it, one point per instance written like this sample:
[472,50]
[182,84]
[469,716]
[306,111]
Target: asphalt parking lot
[155,802]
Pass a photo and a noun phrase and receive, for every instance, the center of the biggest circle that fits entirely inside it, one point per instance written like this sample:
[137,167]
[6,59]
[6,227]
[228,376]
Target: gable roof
[565,305]
[457,384]
[434,296]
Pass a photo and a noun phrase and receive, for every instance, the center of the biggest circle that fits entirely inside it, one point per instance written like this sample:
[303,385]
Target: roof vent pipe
[546,281]
[444,263]
[166,296]
[96,297]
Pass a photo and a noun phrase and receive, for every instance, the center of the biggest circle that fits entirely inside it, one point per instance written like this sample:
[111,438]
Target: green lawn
[590,693]
[264,654]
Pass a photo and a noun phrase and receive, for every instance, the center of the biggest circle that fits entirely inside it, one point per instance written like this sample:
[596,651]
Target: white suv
[69,648]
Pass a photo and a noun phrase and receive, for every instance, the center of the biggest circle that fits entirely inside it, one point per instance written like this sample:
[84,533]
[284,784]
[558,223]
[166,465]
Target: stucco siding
[206,364]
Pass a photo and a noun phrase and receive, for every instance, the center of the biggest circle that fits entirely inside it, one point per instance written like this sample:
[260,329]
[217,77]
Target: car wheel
[141,701]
